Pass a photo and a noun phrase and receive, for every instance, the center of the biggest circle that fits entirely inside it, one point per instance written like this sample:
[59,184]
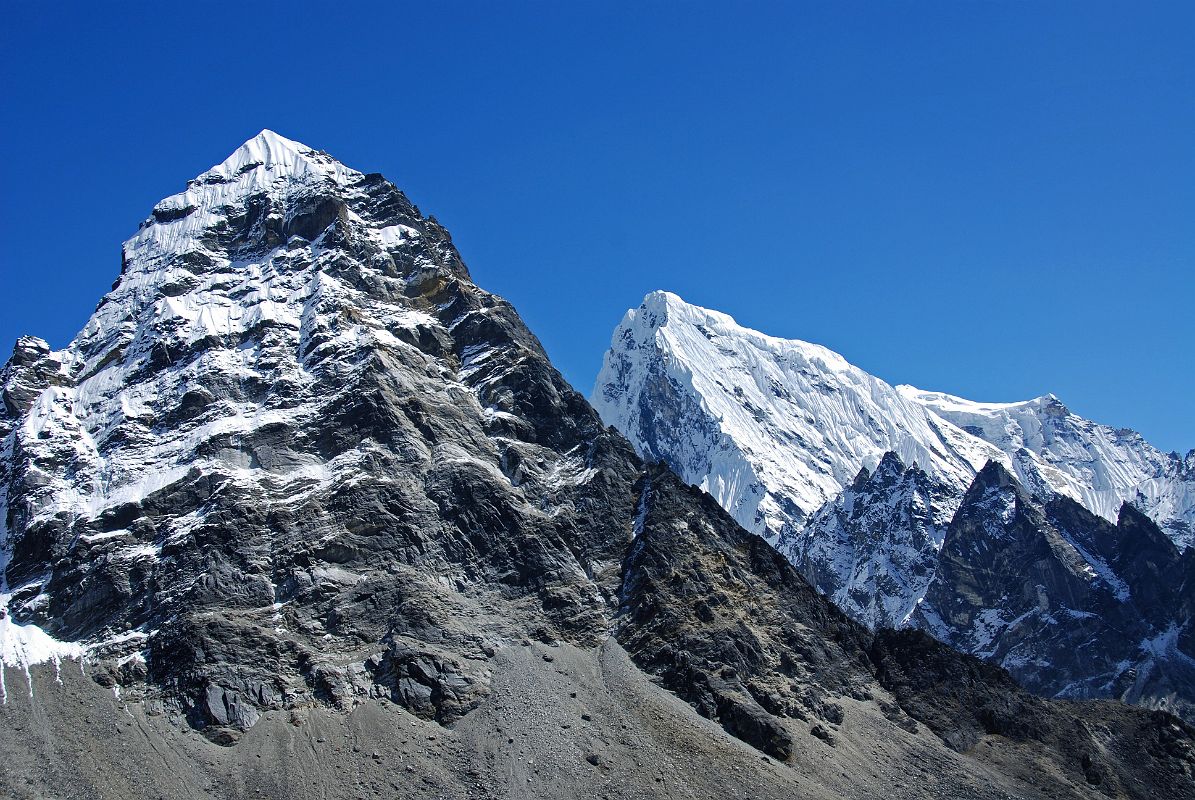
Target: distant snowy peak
[1000,528]
[773,428]
[661,308]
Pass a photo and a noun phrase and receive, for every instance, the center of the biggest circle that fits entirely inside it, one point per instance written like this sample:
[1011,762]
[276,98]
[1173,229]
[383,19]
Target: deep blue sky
[991,199]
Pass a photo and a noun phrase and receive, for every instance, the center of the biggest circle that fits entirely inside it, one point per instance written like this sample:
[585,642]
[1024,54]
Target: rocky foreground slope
[303,512]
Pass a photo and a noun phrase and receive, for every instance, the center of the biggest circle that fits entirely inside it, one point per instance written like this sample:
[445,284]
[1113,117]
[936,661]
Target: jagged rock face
[295,448]
[1070,604]
[964,700]
[873,550]
[729,625]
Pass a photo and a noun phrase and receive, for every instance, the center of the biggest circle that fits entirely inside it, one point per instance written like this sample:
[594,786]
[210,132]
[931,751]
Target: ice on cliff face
[22,646]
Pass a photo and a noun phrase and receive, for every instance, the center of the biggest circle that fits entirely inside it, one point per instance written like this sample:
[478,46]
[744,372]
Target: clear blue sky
[991,199]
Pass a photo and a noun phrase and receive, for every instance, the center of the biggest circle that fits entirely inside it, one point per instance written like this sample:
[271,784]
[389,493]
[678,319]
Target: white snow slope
[775,428]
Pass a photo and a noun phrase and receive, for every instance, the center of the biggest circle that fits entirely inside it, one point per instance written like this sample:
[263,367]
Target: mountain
[304,512]
[772,428]
[775,428]
[245,479]
[860,484]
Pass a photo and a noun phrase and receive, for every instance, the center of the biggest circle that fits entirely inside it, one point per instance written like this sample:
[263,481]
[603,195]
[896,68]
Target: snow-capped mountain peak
[274,169]
[266,148]
[267,157]
[270,274]
[660,307]
[772,427]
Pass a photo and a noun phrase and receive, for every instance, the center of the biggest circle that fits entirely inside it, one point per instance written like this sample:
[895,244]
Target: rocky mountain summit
[304,512]
[293,448]
[874,549]
[1070,604]
[878,495]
